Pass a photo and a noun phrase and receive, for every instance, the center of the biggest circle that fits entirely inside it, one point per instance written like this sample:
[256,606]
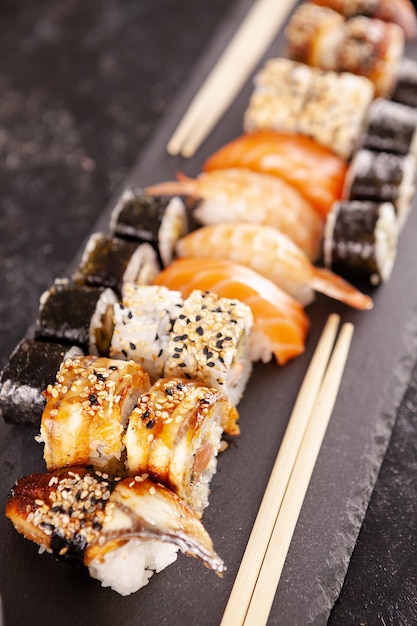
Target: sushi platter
[381,303]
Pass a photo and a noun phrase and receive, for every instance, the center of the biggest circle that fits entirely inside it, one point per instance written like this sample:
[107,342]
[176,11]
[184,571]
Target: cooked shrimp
[240,195]
[272,255]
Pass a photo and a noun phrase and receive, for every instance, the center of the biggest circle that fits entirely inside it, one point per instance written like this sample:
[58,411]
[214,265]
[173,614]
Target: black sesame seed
[132,346]
[101,376]
[130,315]
[199,330]
[160,353]
[150,424]
[169,391]
[113,367]
[93,398]
[181,364]
[124,352]
[146,414]
[210,364]
[180,386]
[176,355]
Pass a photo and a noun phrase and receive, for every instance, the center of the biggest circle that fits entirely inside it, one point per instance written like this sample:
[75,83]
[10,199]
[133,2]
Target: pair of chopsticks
[259,573]
[229,74]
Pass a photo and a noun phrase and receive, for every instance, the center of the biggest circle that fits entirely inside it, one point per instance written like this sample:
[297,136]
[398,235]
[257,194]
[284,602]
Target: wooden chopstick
[229,74]
[314,403]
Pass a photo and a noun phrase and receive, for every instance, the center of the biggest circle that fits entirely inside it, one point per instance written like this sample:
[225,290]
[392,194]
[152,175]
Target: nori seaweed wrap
[382,177]
[405,90]
[31,367]
[77,315]
[391,127]
[158,220]
[361,240]
[111,261]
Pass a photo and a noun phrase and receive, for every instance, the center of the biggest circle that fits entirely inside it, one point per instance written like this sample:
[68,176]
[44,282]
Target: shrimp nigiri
[280,322]
[313,169]
[274,256]
[240,195]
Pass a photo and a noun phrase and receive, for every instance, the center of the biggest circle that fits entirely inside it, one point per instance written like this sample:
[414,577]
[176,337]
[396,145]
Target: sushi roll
[157,220]
[281,88]
[391,127]
[401,12]
[31,367]
[335,110]
[364,46]
[382,177]
[175,434]
[372,48]
[361,240]
[111,262]
[143,322]
[209,342]
[314,36]
[280,324]
[87,410]
[405,90]
[121,530]
[77,314]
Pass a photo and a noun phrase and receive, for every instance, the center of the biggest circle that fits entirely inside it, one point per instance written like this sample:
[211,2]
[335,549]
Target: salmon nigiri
[313,169]
[240,195]
[280,323]
[274,256]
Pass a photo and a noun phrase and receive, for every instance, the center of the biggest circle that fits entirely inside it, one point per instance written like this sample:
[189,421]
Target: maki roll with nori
[391,127]
[111,261]
[158,220]
[77,314]
[361,240]
[31,367]
[382,177]
[405,90]
[123,531]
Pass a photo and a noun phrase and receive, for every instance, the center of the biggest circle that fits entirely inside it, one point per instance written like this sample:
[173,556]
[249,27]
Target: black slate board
[35,589]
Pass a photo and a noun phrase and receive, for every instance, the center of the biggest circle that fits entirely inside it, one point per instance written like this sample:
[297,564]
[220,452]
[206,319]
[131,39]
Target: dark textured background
[82,87]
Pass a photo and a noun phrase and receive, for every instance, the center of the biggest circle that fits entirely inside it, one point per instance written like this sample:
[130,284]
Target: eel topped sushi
[175,434]
[87,410]
[122,530]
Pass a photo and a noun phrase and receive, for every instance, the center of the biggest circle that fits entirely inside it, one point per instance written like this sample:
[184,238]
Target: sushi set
[155,385]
